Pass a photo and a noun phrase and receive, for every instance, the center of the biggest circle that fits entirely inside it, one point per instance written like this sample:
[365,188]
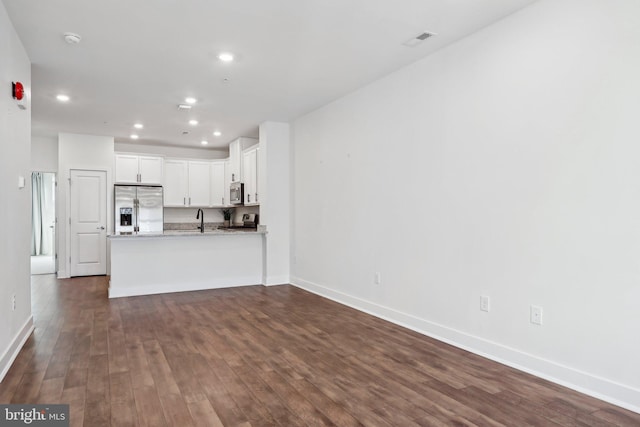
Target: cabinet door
[250,176]
[126,168]
[236,149]
[254,162]
[235,157]
[176,182]
[247,179]
[150,169]
[199,184]
[217,183]
[227,182]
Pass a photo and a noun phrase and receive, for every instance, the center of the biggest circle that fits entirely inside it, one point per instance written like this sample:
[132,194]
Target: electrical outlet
[484,303]
[536,315]
[377,279]
[13,302]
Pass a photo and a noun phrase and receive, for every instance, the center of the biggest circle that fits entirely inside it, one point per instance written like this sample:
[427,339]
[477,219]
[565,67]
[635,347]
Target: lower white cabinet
[187,183]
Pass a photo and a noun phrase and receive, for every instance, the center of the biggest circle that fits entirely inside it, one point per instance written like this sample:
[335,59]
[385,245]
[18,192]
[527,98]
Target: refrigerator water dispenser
[126,216]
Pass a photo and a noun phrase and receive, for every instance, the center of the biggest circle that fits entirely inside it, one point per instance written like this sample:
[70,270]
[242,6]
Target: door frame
[56,234]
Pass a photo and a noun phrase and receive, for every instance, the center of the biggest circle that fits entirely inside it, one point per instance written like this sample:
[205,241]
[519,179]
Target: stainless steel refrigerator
[138,209]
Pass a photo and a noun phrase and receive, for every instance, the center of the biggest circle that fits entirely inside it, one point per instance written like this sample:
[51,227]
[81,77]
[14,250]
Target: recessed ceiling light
[225,57]
[204,142]
[72,38]
[184,107]
[190,100]
[134,136]
[193,122]
[217,133]
[62,98]
[138,125]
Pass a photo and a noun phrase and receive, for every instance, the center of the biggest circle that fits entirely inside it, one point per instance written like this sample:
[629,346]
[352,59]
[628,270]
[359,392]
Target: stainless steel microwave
[236,193]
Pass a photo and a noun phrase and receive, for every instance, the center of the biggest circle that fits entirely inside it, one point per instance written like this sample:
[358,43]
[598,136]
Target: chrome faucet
[200,216]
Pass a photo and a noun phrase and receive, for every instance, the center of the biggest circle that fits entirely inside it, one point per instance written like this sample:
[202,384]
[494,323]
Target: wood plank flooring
[257,356]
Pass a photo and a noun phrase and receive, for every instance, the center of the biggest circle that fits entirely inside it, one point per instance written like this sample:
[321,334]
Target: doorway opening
[43,223]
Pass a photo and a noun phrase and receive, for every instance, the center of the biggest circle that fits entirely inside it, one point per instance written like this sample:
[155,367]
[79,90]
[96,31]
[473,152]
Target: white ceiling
[139,59]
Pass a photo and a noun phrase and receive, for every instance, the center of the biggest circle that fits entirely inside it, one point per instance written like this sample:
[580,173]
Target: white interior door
[88,213]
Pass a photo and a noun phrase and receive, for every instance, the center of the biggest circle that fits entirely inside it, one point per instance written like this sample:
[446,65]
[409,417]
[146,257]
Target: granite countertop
[214,230]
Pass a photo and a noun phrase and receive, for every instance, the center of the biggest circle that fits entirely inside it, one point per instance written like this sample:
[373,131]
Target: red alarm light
[18,91]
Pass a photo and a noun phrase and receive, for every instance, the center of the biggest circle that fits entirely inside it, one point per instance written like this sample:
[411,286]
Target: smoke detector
[418,39]
[72,38]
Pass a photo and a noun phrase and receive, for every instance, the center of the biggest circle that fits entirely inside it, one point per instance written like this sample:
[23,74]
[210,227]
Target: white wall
[274,180]
[504,165]
[170,151]
[88,152]
[44,154]
[15,216]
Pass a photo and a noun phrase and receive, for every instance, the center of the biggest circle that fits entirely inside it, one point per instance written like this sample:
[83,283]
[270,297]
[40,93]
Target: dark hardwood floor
[257,356]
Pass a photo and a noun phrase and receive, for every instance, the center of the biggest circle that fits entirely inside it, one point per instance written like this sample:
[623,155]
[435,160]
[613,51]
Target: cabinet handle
[233,177]
[223,201]
[248,198]
[139,178]
[189,201]
[256,197]
[184,201]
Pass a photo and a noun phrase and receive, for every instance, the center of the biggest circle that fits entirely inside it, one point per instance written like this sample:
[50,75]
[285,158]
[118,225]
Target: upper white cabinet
[150,169]
[219,190]
[235,156]
[187,183]
[176,182]
[199,184]
[227,182]
[250,176]
[131,168]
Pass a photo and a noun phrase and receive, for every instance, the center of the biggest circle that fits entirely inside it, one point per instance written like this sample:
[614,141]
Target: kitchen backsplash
[213,215]
[179,215]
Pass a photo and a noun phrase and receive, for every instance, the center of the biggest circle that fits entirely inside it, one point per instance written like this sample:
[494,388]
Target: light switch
[21,182]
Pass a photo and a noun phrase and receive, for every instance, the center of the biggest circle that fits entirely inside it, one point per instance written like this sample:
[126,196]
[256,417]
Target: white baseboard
[62,274]
[601,388]
[277,280]
[119,292]
[14,348]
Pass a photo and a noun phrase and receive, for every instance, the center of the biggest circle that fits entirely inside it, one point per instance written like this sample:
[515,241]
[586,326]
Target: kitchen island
[185,260]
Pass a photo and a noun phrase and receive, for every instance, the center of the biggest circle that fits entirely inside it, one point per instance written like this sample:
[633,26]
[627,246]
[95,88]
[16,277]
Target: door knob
[99,228]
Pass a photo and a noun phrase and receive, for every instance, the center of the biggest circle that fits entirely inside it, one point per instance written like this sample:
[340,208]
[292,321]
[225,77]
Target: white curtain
[42,213]
[37,194]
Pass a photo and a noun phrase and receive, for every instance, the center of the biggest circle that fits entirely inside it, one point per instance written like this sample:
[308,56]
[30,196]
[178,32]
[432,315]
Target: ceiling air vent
[418,39]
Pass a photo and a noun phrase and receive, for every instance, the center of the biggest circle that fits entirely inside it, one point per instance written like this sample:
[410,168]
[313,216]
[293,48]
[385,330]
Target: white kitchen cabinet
[176,182]
[187,183]
[150,169]
[227,182]
[130,168]
[199,184]
[218,180]
[250,176]
[236,149]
